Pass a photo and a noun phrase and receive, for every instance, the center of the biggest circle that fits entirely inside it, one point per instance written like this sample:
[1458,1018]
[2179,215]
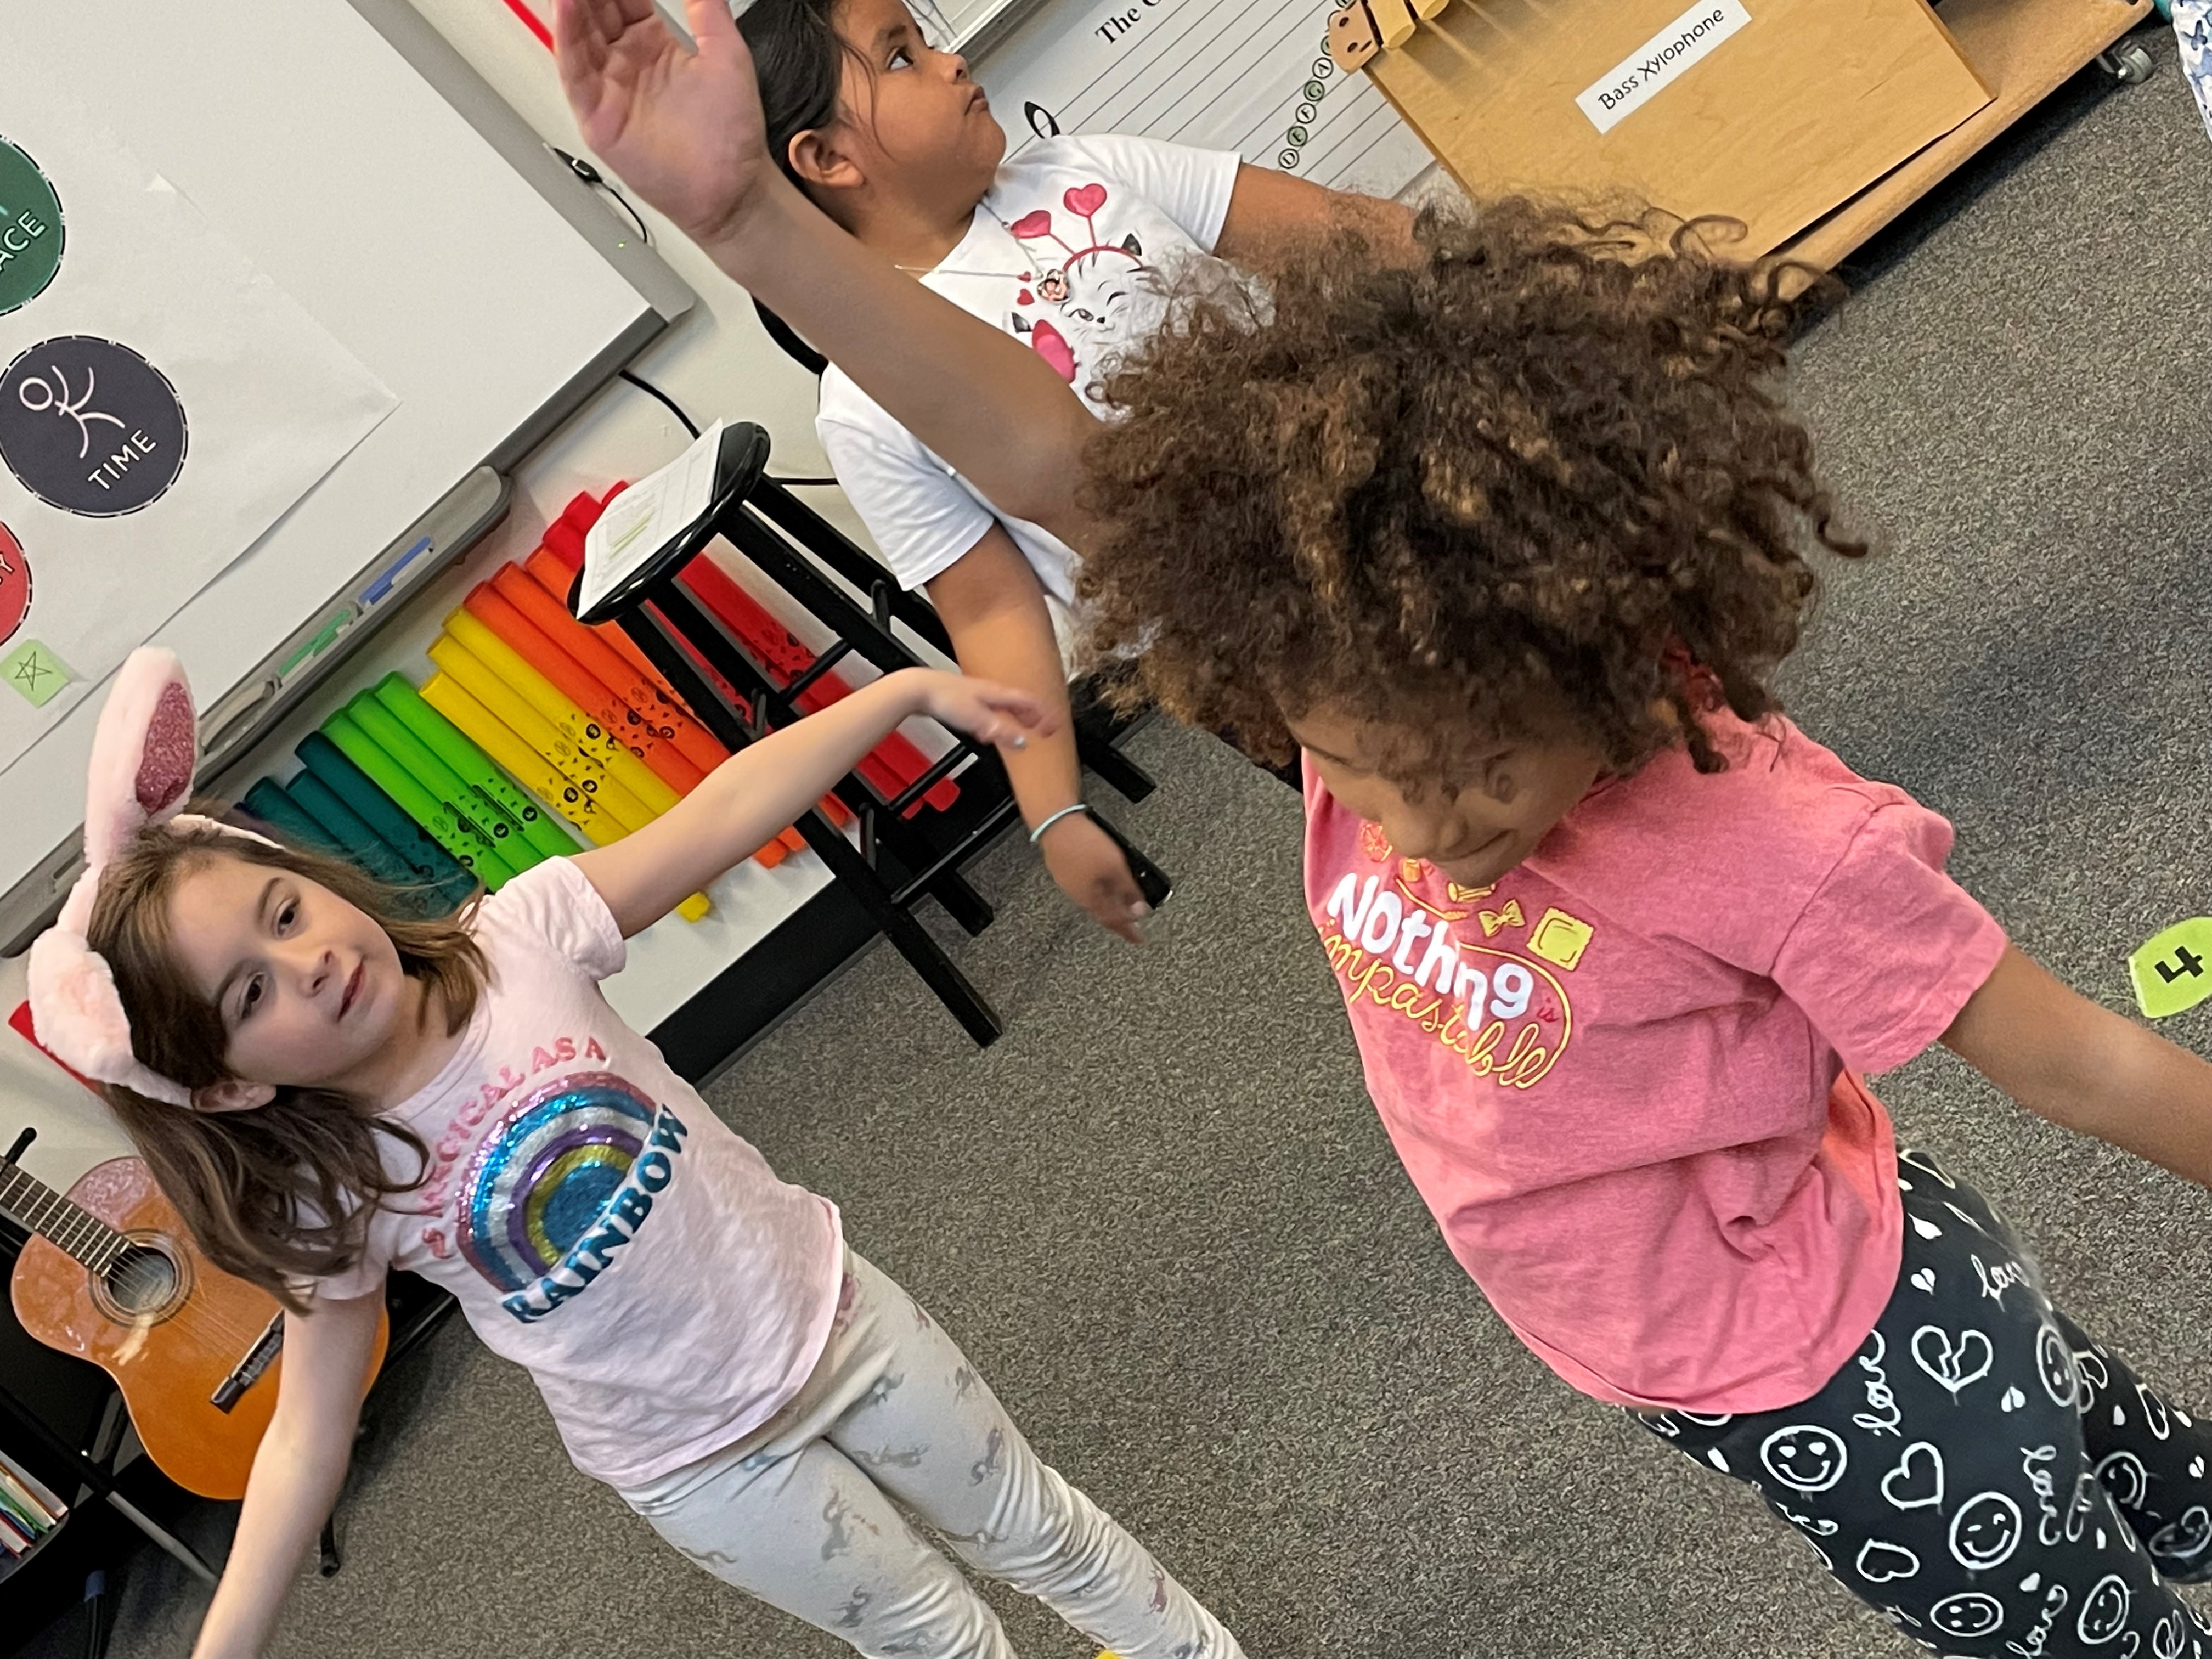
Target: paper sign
[647,516]
[35,672]
[1656,64]
[2174,971]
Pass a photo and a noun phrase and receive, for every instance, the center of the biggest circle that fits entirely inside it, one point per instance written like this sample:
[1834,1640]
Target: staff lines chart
[1215,73]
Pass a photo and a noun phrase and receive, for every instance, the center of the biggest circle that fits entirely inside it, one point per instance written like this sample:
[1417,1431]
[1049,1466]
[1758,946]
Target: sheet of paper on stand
[162,404]
[648,515]
[1255,78]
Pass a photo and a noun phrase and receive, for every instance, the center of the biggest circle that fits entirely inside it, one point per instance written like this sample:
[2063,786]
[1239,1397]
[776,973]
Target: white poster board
[162,403]
[1251,76]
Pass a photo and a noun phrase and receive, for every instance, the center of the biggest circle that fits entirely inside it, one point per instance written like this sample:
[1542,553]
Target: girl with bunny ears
[327,1093]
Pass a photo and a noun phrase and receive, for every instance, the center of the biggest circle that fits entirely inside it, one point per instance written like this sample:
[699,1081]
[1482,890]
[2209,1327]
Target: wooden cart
[1813,123]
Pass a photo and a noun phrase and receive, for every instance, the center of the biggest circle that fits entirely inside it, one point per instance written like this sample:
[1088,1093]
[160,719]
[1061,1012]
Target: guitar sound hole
[141,1281]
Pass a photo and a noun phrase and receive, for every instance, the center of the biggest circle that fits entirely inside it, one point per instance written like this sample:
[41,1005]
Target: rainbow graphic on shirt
[560,1182]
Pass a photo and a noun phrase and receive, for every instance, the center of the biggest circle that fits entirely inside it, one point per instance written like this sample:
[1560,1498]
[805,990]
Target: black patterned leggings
[1983,1471]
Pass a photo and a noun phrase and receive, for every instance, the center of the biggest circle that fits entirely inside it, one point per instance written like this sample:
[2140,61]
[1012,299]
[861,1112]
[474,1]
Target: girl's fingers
[711,22]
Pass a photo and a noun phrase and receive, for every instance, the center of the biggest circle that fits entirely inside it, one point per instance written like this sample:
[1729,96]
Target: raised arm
[684,129]
[297,1471]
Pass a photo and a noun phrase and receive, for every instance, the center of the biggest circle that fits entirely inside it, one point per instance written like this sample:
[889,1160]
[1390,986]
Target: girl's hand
[985,710]
[682,129]
[1091,869]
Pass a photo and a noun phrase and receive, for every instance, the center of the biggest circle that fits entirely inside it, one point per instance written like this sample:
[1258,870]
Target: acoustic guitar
[112,1276]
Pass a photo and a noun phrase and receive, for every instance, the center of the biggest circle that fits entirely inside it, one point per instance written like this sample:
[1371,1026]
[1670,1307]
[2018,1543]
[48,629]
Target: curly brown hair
[1545,466]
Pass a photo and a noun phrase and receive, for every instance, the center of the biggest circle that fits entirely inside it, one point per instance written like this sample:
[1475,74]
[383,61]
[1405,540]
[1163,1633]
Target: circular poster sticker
[90,427]
[14,584]
[30,229]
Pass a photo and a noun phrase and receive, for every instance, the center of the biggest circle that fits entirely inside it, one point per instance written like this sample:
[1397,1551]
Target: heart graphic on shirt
[2013,1400]
[1925,1279]
[1882,1563]
[1916,1482]
[1926,1228]
[1038,223]
[1085,200]
[1955,1363]
[1052,345]
[2032,1583]
[1026,298]
[2196,1468]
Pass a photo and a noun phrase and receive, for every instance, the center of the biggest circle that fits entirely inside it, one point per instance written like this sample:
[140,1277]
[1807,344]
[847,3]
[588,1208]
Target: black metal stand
[898,860]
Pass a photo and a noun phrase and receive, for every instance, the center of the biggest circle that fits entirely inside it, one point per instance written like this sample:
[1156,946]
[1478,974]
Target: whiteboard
[450,253]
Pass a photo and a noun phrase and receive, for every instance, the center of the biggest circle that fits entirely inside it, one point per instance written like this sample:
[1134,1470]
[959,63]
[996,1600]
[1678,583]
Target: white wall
[716,362]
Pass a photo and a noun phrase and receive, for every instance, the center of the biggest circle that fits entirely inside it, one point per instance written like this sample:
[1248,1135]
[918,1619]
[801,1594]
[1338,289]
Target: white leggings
[807,1513]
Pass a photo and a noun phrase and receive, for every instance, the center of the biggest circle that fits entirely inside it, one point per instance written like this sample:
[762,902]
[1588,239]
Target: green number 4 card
[2174,971]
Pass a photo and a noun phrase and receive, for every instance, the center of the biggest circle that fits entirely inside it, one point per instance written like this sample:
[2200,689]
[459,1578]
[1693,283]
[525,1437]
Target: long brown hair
[285,1190]
[1549,460]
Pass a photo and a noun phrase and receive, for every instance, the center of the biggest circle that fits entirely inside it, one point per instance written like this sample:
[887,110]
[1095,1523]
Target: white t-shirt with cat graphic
[1064,252]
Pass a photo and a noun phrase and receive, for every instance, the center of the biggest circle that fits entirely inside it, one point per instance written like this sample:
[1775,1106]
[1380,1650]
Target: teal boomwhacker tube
[433,867]
[471,765]
[362,844]
[504,834]
[267,801]
[462,840]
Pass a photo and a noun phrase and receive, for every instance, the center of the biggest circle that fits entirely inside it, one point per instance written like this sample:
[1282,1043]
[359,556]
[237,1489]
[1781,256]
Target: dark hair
[1546,462]
[799,58]
[288,1188]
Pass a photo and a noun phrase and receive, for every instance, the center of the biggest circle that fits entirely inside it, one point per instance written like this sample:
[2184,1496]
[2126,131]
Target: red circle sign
[14,584]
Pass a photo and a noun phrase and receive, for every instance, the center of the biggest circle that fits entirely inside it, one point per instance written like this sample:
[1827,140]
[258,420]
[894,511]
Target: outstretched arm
[684,129]
[764,786]
[297,1471]
[2083,1067]
[1272,215]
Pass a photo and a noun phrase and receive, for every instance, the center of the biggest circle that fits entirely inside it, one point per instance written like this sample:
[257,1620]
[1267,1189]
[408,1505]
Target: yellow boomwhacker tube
[522,763]
[572,722]
[591,812]
[467,671]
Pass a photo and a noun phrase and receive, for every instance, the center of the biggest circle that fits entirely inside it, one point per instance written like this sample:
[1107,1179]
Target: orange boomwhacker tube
[582,688]
[664,714]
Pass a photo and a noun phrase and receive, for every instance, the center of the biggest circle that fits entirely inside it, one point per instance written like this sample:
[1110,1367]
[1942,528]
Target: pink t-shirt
[599,1226]
[1617,1076]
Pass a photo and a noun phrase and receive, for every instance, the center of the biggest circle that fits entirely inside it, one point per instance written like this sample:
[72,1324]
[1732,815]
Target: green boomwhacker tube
[433,868]
[362,844]
[475,769]
[267,801]
[462,840]
[506,835]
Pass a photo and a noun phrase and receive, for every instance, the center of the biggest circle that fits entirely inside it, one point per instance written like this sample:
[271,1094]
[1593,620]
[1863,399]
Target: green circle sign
[30,229]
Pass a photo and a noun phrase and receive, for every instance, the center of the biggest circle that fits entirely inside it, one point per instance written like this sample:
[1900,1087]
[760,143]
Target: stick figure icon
[57,400]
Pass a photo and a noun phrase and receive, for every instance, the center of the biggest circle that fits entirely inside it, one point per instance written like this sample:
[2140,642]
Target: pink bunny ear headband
[144,754]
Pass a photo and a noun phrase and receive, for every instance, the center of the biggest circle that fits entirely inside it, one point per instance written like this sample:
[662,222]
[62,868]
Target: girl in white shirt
[327,1091]
[1058,248]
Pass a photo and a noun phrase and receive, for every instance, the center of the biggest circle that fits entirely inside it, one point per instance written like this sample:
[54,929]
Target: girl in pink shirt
[1508,540]
[328,1090]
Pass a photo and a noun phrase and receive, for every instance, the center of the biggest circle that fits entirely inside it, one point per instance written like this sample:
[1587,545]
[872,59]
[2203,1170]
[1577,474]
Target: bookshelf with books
[30,1515]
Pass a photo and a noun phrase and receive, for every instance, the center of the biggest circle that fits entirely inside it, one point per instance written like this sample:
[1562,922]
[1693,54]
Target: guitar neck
[68,1226]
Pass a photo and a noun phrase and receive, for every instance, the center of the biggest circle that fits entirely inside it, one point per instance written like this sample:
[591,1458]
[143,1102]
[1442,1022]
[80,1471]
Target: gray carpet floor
[1161,1214]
